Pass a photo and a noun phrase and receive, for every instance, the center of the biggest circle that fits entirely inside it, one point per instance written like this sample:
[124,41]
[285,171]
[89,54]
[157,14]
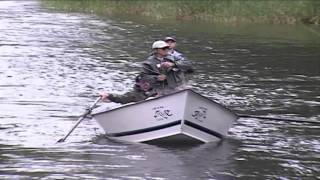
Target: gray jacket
[181,61]
[176,55]
[175,75]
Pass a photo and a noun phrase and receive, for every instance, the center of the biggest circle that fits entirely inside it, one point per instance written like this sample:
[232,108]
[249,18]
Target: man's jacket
[174,75]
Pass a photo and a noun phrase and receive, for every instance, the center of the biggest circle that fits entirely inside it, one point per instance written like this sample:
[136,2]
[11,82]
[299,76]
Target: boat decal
[163,97]
[203,129]
[161,113]
[200,114]
[145,130]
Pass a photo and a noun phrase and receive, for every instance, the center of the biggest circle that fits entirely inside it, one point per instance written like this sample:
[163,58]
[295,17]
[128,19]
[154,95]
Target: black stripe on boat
[139,131]
[203,129]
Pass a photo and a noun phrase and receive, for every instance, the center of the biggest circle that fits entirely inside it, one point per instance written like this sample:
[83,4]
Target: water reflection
[109,159]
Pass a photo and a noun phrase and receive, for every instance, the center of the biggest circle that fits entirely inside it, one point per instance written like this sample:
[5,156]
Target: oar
[279,119]
[82,117]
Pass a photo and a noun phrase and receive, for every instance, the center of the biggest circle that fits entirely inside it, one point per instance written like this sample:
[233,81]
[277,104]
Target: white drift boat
[181,116]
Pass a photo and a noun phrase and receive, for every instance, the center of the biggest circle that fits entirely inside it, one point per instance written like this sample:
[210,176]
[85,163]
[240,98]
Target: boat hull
[181,114]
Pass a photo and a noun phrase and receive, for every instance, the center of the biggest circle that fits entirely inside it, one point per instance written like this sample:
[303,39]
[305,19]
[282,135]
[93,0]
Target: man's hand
[167,64]
[104,96]
[162,77]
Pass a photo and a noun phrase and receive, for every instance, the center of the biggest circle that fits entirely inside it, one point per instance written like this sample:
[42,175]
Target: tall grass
[227,11]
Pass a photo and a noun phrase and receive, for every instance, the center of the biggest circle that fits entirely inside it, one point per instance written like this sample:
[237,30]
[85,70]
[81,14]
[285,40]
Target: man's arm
[128,97]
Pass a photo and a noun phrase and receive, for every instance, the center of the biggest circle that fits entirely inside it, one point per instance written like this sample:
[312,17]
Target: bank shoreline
[228,11]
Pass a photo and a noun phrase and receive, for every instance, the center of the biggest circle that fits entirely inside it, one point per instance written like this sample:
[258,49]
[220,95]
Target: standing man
[172,46]
[175,54]
[166,72]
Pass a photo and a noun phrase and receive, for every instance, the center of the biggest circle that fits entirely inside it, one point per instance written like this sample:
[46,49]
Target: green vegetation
[226,11]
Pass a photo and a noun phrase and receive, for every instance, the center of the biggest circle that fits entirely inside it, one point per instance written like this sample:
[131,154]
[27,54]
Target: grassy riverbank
[224,11]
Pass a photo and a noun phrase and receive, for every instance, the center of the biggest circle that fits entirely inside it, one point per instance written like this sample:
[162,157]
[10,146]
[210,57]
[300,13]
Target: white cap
[159,45]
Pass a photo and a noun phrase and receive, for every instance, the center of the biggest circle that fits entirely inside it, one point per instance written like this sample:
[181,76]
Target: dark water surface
[53,64]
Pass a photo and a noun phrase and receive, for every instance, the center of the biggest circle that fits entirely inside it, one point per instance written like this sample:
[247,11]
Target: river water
[53,64]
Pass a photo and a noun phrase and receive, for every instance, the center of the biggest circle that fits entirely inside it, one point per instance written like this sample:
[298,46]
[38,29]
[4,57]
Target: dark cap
[143,83]
[169,39]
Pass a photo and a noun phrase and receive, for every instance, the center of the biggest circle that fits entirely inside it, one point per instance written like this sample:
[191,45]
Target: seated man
[141,91]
